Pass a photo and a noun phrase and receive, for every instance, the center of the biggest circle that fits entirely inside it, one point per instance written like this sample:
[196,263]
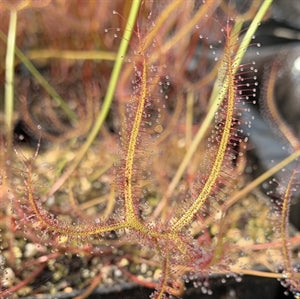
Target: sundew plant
[125,128]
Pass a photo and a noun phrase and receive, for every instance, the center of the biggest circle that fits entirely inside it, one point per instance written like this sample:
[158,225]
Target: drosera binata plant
[168,171]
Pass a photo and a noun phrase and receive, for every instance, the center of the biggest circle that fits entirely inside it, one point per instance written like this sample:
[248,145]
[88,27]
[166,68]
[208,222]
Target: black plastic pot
[250,287]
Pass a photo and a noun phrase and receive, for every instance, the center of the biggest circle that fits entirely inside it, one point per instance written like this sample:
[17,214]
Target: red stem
[21,284]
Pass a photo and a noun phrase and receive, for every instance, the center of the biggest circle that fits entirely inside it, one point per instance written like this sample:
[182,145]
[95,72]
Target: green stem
[44,83]
[52,92]
[251,31]
[9,73]
[69,54]
[108,97]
